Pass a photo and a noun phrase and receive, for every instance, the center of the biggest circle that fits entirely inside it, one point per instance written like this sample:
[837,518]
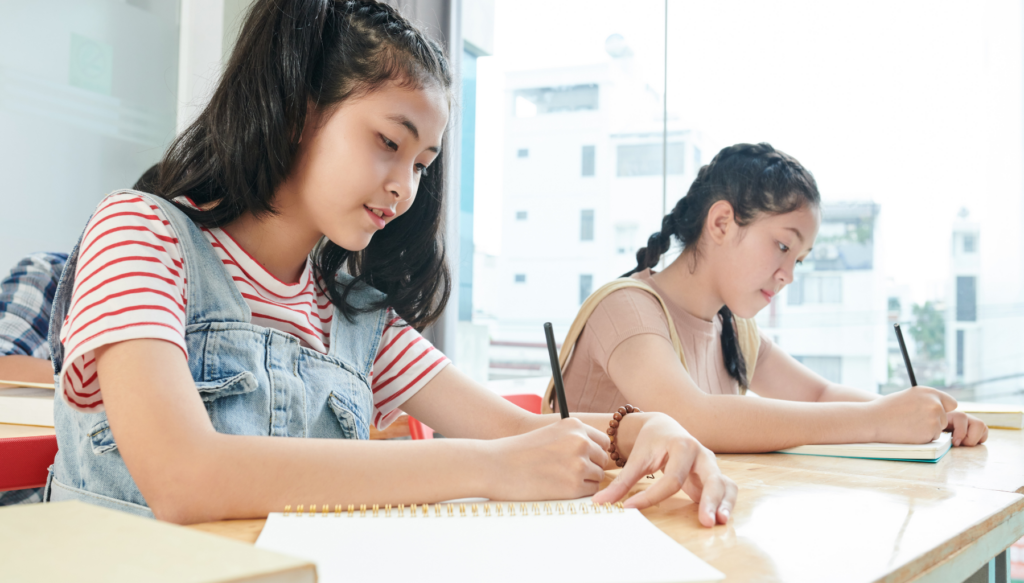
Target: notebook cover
[75,541]
[945,437]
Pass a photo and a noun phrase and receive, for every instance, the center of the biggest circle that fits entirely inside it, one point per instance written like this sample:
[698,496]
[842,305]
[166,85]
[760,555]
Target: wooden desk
[800,525]
[998,464]
[8,430]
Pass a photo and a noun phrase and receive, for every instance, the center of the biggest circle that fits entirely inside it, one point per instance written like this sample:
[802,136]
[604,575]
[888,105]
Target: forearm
[17,367]
[220,476]
[837,393]
[735,424]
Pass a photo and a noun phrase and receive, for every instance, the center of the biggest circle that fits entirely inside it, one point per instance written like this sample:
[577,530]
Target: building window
[966,299]
[588,161]
[645,159]
[830,367]
[586,225]
[520,278]
[586,286]
[816,289]
[520,215]
[960,353]
[544,100]
[969,243]
[523,153]
[625,237]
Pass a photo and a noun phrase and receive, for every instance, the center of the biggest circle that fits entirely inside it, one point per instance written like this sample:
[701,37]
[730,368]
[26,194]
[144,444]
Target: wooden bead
[617,416]
[615,455]
[620,463]
[629,408]
[613,423]
[611,431]
[621,411]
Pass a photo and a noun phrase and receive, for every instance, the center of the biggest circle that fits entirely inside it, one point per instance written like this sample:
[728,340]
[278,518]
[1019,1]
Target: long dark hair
[756,179]
[290,54]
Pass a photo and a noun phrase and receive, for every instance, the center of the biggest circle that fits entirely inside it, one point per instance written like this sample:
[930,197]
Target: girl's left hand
[663,444]
[966,429]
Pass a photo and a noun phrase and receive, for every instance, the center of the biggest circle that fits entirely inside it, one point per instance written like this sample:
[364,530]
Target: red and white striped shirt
[130,283]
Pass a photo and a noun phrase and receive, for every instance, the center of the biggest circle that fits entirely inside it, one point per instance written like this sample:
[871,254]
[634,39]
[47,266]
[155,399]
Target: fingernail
[725,514]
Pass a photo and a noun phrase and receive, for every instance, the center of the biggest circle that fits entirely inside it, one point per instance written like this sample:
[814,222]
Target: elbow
[181,488]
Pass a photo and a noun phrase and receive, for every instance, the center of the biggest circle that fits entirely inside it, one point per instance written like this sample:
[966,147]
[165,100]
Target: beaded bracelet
[613,428]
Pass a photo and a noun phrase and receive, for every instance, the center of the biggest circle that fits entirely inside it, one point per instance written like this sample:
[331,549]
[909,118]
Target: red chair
[25,461]
[528,401]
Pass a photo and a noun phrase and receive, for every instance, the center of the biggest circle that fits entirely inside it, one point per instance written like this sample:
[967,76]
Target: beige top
[627,313]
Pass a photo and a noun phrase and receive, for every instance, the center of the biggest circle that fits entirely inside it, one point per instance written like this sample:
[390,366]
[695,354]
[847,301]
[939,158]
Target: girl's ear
[720,222]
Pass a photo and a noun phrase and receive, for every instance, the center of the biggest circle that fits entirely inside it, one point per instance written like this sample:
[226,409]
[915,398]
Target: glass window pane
[897,240]
[556,100]
[88,99]
[587,225]
[588,161]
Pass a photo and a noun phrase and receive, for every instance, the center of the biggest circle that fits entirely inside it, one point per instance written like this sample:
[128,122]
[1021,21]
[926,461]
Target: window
[816,289]
[969,243]
[586,286]
[960,353]
[547,100]
[520,278]
[625,238]
[520,215]
[586,225]
[966,301]
[830,367]
[588,161]
[523,153]
[645,159]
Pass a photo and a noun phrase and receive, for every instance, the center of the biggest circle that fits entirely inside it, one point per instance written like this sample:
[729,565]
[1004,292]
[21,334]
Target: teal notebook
[897,452]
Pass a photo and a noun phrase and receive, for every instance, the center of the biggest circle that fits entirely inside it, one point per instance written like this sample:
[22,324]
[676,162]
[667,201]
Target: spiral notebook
[564,541]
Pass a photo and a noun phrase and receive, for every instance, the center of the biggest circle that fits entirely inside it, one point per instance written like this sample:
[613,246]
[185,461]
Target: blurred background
[581,122]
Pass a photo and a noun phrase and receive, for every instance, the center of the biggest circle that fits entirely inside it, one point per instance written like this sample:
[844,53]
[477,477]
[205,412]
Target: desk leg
[996,571]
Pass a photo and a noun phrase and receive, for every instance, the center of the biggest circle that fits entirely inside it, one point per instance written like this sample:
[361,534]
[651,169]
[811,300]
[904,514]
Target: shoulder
[623,314]
[631,306]
[37,268]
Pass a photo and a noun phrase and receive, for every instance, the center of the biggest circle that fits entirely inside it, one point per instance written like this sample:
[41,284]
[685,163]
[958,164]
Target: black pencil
[906,357]
[556,371]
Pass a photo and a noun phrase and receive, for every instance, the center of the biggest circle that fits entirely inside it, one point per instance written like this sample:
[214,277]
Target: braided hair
[290,54]
[755,179]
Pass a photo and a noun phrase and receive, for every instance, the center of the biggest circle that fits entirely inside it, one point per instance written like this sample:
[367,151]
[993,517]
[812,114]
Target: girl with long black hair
[272,283]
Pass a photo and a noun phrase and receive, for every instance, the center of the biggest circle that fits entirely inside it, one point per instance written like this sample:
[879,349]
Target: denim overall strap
[217,299]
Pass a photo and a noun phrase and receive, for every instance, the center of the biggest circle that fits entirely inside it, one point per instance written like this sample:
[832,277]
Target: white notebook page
[592,548]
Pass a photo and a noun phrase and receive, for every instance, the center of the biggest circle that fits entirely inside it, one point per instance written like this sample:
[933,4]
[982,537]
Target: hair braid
[755,179]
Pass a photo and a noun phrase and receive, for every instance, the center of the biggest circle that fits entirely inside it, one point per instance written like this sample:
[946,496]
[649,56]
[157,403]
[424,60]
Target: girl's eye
[799,261]
[783,248]
[390,145]
[421,169]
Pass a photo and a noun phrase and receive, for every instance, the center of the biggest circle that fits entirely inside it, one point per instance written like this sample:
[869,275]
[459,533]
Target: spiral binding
[474,509]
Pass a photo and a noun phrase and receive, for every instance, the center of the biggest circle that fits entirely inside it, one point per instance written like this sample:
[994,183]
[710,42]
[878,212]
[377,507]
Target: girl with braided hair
[272,283]
[682,341]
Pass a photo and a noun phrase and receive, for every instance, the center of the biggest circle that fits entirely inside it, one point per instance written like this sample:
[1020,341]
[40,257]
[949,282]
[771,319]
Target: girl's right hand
[560,461]
[914,415]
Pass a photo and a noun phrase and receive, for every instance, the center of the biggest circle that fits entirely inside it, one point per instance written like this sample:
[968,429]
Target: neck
[280,242]
[693,290]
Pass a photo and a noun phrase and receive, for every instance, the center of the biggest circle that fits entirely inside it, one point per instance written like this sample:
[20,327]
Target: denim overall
[253,380]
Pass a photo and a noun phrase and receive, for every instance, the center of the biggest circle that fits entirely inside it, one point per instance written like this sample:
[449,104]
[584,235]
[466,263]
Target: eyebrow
[404,121]
[799,235]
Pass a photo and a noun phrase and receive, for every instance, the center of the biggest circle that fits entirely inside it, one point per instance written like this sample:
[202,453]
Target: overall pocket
[230,407]
[353,417]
